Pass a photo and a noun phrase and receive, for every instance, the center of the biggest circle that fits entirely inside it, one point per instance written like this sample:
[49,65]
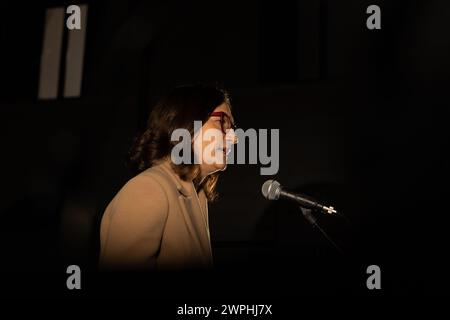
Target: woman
[159,219]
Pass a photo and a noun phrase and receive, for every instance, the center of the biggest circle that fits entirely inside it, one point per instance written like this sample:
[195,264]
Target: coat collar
[187,189]
[184,187]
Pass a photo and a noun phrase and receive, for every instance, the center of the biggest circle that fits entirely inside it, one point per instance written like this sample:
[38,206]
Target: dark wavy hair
[178,109]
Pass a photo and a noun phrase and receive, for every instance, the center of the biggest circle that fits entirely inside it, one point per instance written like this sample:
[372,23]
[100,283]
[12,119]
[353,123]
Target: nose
[231,137]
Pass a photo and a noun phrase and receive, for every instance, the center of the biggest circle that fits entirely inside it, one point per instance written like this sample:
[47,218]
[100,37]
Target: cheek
[205,147]
[212,144]
[209,150]
[212,137]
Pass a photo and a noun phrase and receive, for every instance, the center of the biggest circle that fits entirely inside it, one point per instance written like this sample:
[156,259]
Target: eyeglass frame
[222,114]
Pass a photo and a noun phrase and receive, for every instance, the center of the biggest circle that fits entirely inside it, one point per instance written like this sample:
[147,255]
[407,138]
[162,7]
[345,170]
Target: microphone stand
[307,213]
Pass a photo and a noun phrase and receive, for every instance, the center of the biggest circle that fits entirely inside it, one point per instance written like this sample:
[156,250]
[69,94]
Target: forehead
[224,108]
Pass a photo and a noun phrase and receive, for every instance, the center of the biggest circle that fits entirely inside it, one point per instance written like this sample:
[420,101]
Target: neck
[202,178]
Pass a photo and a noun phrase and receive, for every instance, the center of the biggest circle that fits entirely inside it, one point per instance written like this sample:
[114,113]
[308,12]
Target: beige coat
[157,221]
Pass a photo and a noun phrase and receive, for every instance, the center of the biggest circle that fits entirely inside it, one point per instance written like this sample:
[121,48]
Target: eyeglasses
[225,121]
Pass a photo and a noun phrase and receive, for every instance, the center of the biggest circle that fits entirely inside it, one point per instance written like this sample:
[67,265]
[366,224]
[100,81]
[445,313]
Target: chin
[220,166]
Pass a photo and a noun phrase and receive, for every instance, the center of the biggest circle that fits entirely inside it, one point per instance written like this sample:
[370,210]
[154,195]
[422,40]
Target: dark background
[363,126]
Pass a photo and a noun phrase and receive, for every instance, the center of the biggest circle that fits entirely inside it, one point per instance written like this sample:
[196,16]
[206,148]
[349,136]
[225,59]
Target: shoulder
[145,188]
[162,176]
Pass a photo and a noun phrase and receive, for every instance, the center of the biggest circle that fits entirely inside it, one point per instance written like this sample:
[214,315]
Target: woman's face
[213,142]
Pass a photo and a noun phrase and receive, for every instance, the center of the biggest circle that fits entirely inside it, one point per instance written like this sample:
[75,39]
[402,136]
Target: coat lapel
[194,209]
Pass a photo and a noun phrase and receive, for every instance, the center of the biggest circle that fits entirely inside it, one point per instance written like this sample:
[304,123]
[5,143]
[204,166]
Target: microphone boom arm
[309,204]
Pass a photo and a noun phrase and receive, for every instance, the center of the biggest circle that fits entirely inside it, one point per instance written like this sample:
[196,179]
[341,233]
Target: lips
[225,151]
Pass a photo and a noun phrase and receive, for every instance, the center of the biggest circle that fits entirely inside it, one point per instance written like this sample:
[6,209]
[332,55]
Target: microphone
[272,190]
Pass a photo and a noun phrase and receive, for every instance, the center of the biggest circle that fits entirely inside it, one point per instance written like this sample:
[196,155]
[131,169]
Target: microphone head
[271,190]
